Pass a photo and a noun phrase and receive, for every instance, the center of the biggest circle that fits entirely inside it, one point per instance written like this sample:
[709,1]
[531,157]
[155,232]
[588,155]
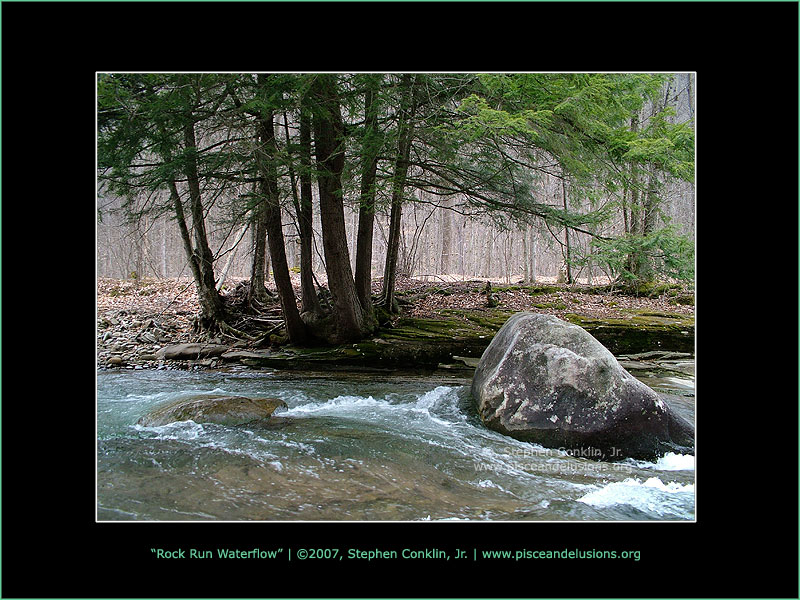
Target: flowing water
[363,447]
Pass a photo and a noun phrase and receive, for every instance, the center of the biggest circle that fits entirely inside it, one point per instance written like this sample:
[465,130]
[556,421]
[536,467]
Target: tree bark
[526,271]
[349,321]
[310,301]
[566,234]
[635,208]
[257,292]
[645,271]
[211,305]
[487,265]
[186,238]
[392,250]
[404,135]
[366,209]
[233,249]
[266,157]
[447,237]
[164,250]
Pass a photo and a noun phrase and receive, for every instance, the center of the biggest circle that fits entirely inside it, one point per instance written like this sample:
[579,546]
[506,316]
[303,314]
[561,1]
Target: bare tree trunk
[349,320]
[474,263]
[635,208]
[265,158]
[488,250]
[526,271]
[366,209]
[447,237]
[212,308]
[644,265]
[145,248]
[405,132]
[186,238]
[626,226]
[305,217]
[393,247]
[163,250]
[566,234]
[231,255]
[257,294]
[464,248]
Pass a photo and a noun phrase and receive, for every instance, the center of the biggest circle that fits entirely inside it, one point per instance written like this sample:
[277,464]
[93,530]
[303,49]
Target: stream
[364,447]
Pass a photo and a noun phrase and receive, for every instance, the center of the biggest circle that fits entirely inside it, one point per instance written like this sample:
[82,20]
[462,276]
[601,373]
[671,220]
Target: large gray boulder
[224,410]
[546,381]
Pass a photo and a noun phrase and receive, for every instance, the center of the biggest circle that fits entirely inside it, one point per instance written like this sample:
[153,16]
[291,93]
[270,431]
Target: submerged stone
[223,410]
[550,382]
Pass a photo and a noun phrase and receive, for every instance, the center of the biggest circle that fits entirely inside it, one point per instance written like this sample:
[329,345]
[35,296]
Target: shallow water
[362,447]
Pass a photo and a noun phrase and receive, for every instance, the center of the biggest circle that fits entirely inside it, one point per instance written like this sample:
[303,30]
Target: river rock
[233,355]
[550,382]
[190,351]
[224,410]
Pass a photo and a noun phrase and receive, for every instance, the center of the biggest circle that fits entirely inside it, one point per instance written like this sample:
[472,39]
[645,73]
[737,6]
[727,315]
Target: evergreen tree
[583,129]
[150,139]
[574,152]
[349,320]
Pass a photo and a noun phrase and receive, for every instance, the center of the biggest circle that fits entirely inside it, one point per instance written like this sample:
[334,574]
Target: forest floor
[136,318]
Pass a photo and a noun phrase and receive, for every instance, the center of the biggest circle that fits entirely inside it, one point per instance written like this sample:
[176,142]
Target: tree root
[231,332]
[265,337]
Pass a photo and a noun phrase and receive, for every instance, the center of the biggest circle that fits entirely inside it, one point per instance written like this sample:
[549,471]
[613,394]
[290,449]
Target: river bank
[441,326]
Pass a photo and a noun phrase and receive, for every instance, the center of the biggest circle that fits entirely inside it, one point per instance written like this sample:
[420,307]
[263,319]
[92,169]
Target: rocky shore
[147,324]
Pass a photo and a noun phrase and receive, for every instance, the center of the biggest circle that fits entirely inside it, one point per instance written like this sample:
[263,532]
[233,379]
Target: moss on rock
[642,330]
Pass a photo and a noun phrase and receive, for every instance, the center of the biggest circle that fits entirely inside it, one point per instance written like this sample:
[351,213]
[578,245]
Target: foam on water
[179,430]
[488,483]
[653,496]
[431,419]
[431,405]
[336,406]
[239,442]
[156,397]
[435,398]
[675,462]
[669,462]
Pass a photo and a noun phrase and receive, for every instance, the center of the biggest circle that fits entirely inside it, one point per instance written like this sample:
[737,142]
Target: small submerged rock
[223,410]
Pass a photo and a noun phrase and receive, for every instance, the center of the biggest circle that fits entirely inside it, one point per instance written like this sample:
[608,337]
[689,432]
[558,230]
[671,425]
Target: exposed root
[266,335]
[233,333]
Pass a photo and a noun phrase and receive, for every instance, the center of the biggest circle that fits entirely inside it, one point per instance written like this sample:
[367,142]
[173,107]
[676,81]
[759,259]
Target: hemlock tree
[259,100]
[568,151]
[409,94]
[576,127]
[266,159]
[305,216]
[372,142]
[148,143]
[349,320]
